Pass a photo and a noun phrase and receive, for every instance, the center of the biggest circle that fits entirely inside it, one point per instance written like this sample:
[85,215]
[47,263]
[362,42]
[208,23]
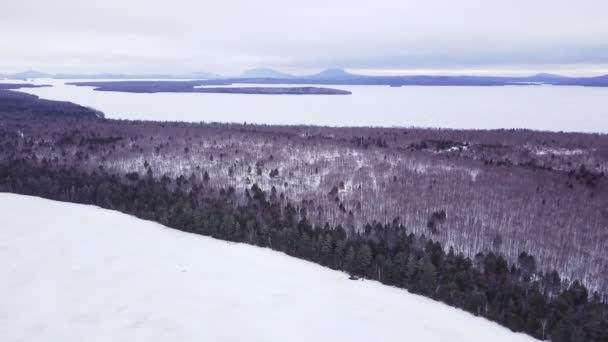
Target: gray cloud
[231,35]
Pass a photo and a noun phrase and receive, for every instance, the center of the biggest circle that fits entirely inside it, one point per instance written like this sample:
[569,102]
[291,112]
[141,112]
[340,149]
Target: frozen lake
[554,108]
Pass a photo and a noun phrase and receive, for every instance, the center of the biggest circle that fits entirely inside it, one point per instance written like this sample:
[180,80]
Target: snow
[79,273]
[541,151]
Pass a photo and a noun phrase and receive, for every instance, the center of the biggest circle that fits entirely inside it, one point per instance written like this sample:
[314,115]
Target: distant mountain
[264,73]
[37,74]
[547,76]
[598,81]
[200,74]
[271,75]
[193,75]
[88,76]
[29,74]
[333,74]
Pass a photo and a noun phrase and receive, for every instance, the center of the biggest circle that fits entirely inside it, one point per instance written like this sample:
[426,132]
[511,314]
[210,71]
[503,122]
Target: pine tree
[363,260]
[349,260]
[325,246]
[428,276]
[411,270]
[400,268]
[339,255]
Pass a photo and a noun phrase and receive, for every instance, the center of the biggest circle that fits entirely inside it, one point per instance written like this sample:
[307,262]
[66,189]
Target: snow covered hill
[79,273]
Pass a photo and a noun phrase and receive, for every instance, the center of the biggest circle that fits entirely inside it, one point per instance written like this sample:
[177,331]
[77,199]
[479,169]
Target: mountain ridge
[336,76]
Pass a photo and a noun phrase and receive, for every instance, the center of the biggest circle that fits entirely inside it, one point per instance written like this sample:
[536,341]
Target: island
[215,86]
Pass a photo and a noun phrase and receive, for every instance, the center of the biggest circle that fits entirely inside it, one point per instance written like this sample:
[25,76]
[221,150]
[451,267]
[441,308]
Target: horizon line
[374,72]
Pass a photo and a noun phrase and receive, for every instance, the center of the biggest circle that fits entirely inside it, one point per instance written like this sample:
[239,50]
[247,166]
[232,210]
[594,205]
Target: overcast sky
[379,36]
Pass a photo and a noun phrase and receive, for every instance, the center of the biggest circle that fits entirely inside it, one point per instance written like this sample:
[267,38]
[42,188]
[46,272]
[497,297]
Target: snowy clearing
[79,273]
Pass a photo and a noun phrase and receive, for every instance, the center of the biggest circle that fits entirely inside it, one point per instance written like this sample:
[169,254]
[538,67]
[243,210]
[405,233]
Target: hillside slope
[73,272]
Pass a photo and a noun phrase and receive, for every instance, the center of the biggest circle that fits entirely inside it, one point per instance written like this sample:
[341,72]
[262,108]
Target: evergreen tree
[363,260]
[349,260]
[428,276]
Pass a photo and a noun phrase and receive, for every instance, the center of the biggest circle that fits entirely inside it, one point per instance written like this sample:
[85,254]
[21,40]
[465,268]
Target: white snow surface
[73,272]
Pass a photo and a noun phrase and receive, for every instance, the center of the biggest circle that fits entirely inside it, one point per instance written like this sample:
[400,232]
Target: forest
[516,296]
[197,87]
[510,225]
[25,104]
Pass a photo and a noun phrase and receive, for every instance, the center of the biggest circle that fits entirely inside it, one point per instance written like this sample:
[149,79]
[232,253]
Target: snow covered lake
[79,273]
[553,108]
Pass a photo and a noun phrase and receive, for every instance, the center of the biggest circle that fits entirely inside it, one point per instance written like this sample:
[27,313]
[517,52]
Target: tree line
[515,295]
